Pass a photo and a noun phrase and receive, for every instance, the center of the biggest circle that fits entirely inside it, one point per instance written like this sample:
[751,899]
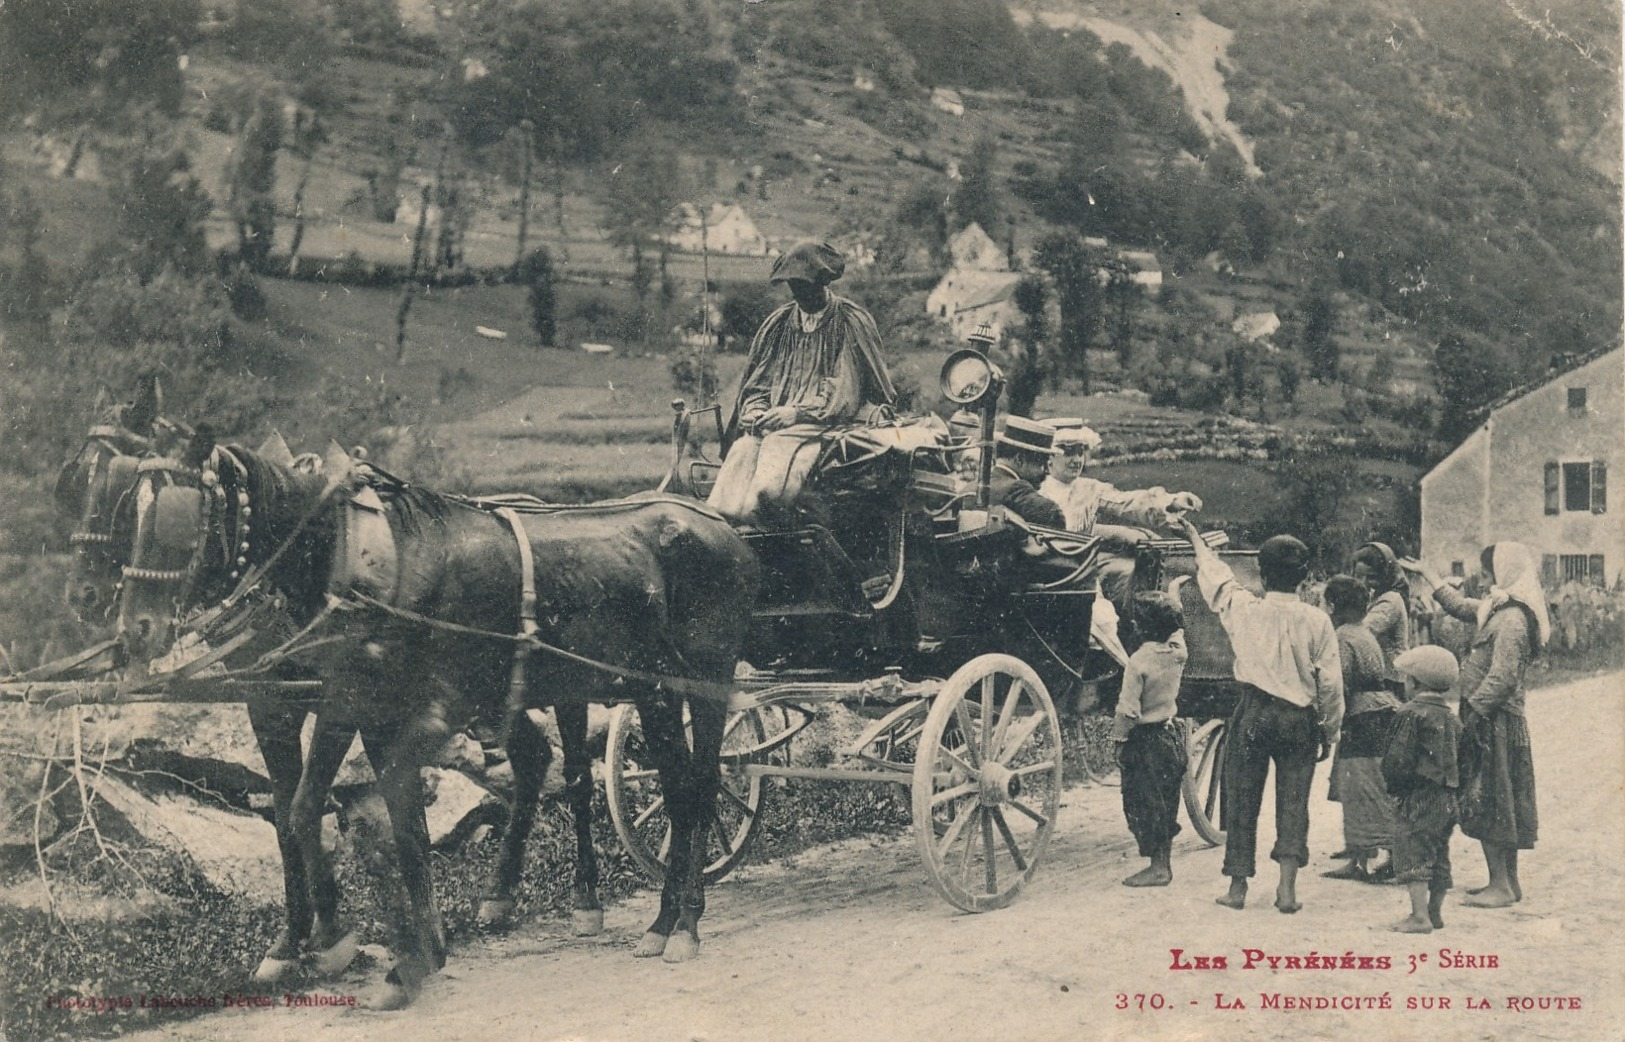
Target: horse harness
[365,573]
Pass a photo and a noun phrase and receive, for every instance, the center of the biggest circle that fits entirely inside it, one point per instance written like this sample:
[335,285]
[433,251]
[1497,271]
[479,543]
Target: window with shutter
[1577,486]
[1595,572]
[1548,571]
[1599,487]
[1553,485]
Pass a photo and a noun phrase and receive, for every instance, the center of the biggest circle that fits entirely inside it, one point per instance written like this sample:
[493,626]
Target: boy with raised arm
[1289,713]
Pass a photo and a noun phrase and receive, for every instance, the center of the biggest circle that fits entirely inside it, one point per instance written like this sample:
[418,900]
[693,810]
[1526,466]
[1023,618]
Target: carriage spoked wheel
[1203,778]
[637,805]
[987,782]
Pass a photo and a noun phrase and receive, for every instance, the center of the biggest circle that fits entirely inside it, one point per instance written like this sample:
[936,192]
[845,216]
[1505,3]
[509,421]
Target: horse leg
[587,917]
[401,785]
[276,727]
[663,734]
[704,779]
[332,946]
[528,755]
[376,743]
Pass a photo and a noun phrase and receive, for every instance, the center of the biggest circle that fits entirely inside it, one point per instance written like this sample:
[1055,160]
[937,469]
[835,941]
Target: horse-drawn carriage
[894,590]
[895,593]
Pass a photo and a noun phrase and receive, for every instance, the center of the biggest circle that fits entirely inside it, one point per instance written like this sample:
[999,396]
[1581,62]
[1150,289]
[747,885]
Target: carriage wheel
[637,804]
[1203,778]
[987,782]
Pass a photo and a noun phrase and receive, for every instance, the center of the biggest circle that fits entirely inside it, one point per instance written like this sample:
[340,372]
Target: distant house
[948,100]
[966,298]
[863,80]
[1537,471]
[1145,270]
[974,250]
[1256,325]
[726,229]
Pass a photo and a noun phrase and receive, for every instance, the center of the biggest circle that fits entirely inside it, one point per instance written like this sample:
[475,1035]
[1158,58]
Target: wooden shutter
[1554,487]
[1599,487]
[1548,571]
[1594,570]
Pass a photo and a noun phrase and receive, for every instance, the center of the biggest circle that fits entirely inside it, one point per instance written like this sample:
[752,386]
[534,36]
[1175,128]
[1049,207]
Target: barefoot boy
[1290,711]
[1420,769]
[1152,750]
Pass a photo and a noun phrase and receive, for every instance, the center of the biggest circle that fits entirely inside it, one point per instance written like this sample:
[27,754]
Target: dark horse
[645,601]
[95,492]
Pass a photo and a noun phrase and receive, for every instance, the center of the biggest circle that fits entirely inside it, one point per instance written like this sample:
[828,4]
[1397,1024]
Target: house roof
[1562,366]
[1000,287]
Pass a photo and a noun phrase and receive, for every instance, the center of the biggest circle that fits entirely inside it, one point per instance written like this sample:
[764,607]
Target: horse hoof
[650,945]
[681,948]
[271,969]
[334,958]
[390,996]
[587,922]
[495,913]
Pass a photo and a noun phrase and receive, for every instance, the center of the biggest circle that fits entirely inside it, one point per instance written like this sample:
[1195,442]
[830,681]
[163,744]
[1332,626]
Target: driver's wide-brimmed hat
[1023,435]
[816,262]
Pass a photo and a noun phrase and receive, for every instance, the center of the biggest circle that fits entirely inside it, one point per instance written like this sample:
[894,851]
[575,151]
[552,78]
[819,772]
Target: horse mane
[281,499]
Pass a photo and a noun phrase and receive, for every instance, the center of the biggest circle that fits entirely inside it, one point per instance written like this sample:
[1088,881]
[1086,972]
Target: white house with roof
[978,288]
[1537,470]
[948,100]
[726,229]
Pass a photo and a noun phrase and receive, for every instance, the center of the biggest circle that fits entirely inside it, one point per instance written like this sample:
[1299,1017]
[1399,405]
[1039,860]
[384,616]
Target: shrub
[694,374]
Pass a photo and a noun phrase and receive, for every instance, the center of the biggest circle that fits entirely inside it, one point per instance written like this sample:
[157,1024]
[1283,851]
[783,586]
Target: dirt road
[851,942]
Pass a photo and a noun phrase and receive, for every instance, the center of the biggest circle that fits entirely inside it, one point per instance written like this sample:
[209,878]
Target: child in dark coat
[1152,750]
[1420,770]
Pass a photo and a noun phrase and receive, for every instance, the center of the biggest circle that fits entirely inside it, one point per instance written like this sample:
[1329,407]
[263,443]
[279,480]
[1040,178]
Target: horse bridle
[224,524]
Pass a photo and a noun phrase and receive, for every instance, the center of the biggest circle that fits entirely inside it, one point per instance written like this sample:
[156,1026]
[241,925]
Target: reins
[526,641]
[530,642]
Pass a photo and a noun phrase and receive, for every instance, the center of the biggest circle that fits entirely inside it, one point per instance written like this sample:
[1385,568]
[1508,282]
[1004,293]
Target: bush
[537,274]
[694,375]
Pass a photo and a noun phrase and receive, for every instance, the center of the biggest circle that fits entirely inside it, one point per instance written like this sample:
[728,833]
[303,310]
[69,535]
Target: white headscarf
[1516,579]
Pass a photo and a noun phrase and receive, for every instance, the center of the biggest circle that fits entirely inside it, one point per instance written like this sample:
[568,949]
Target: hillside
[1368,181]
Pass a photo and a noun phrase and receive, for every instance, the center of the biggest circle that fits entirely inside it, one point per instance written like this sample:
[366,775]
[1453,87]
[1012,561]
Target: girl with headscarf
[1368,722]
[1497,801]
[1388,615]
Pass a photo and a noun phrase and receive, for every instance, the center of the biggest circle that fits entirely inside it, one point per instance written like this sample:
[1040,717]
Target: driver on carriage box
[815,363]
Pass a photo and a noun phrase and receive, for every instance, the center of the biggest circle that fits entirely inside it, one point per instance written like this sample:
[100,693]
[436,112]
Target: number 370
[1141,1001]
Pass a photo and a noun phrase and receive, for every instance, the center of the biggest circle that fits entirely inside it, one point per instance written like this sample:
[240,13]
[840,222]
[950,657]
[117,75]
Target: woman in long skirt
[1368,811]
[1497,801]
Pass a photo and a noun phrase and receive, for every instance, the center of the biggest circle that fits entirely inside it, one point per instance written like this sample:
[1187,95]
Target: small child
[1420,770]
[1152,751]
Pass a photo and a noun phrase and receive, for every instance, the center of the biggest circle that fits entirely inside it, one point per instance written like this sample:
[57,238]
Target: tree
[1319,347]
[253,180]
[644,190]
[160,203]
[978,197]
[1075,268]
[1290,375]
[1122,298]
[1470,371]
[308,133]
[1028,365]
[537,275]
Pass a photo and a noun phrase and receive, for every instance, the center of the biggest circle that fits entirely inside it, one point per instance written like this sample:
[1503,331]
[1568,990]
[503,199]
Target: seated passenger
[1024,449]
[1095,507]
[815,363]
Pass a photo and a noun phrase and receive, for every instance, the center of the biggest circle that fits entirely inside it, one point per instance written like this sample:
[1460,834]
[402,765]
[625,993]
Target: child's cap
[1431,666]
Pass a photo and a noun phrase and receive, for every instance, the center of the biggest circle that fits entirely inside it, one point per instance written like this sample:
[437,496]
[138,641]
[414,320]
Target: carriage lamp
[971,380]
